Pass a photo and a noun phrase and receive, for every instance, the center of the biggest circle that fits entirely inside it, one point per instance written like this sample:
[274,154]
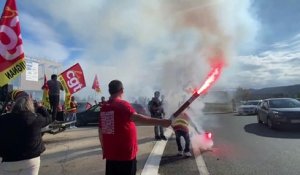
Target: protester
[20,134]
[102,101]
[156,109]
[54,90]
[181,128]
[8,107]
[118,133]
[71,111]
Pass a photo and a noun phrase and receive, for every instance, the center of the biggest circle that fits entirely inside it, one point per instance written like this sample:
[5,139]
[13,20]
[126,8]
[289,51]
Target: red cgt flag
[72,79]
[12,59]
[96,85]
[45,85]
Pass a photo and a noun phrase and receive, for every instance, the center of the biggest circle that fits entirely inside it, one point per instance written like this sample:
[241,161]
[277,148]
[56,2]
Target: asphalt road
[241,147]
[77,152]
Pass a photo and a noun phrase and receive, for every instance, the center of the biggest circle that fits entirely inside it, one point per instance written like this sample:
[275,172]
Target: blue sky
[160,45]
[278,19]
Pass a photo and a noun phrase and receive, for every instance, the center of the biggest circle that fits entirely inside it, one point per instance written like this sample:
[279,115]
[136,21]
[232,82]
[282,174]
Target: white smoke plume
[207,32]
[165,45]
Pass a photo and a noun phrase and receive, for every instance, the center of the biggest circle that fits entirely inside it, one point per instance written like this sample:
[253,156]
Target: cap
[115,86]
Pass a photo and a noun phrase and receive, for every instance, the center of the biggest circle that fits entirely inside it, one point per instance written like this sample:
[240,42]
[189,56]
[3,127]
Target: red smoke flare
[212,77]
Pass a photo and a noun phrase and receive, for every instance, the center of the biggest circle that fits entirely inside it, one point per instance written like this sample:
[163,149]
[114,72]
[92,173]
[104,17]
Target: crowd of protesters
[21,138]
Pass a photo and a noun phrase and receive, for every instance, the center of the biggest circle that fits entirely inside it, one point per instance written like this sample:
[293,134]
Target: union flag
[12,59]
[72,79]
[96,85]
[45,99]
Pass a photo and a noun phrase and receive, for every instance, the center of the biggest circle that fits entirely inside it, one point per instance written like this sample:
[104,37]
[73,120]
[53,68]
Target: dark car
[91,115]
[279,111]
[81,106]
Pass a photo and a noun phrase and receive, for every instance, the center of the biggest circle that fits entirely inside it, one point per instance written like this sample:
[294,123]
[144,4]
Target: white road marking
[201,165]
[152,164]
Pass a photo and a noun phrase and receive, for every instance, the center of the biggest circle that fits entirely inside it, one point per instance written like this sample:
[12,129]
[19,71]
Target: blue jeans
[158,130]
[72,117]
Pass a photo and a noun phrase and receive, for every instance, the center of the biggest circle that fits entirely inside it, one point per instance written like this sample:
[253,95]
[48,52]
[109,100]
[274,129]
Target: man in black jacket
[54,90]
[156,109]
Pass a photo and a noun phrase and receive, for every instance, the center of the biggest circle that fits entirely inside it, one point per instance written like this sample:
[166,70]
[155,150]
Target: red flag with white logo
[12,59]
[72,79]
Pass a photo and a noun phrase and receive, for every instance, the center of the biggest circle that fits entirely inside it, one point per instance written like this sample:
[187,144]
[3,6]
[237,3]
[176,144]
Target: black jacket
[155,107]
[54,87]
[20,135]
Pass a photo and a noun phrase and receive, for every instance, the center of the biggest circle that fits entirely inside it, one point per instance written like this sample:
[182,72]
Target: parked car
[249,107]
[81,106]
[91,115]
[279,111]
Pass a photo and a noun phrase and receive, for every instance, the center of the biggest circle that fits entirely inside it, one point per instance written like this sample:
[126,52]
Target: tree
[242,94]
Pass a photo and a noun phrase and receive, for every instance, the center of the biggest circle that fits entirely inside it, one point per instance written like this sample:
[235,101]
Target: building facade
[33,78]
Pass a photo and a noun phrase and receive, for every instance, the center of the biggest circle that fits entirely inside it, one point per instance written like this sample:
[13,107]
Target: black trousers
[54,102]
[186,137]
[158,130]
[114,167]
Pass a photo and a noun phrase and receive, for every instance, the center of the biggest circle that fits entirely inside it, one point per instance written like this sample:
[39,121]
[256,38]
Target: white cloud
[42,40]
[275,67]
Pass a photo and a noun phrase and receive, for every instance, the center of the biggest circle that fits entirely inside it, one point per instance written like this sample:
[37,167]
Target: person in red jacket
[118,133]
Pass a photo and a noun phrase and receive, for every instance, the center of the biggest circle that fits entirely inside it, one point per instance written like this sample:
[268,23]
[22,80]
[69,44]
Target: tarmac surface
[77,152]
[241,146]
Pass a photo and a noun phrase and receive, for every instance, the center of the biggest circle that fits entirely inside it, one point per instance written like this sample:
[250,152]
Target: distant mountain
[280,91]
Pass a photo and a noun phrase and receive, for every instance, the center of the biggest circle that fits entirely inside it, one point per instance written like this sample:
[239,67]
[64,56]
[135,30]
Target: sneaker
[187,154]
[157,138]
[163,137]
[180,153]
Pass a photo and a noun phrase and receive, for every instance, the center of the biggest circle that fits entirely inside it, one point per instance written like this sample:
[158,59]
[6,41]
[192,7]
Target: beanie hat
[15,94]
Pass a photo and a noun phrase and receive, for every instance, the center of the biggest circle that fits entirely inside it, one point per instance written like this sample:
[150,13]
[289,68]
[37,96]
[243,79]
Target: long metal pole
[185,105]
